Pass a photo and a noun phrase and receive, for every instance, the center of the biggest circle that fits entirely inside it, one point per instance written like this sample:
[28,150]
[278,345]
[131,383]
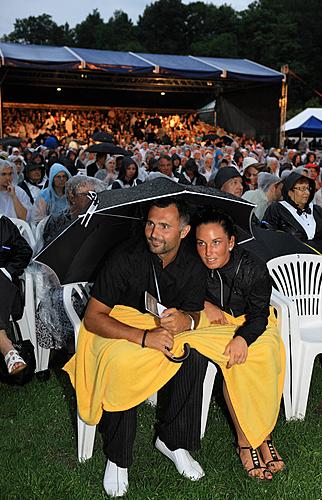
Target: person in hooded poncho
[296,214]
[52,200]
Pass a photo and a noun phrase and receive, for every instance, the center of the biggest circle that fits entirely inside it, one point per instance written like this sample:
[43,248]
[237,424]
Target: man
[96,165]
[229,180]
[77,189]
[35,180]
[164,166]
[269,190]
[14,202]
[164,266]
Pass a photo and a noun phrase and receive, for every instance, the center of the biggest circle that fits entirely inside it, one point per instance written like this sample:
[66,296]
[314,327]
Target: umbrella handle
[185,355]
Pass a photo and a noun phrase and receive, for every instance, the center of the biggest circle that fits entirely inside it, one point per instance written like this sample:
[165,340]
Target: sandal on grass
[270,463]
[14,362]
[256,463]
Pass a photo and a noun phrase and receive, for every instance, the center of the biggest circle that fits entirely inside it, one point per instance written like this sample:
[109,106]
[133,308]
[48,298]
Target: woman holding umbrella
[238,297]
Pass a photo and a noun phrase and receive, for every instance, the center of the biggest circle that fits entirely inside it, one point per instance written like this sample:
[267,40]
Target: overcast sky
[75,11]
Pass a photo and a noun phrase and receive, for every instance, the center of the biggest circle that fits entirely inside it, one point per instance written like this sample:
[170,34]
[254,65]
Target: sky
[75,11]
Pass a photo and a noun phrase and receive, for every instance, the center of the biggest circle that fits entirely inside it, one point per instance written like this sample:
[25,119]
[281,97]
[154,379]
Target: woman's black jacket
[242,286]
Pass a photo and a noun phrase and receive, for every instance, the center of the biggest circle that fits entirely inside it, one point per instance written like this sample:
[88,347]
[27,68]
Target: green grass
[38,457]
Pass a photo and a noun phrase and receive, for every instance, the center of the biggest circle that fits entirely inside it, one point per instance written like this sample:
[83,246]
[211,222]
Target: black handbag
[26,351]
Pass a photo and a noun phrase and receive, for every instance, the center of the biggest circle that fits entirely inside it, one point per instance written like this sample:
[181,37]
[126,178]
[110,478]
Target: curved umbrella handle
[185,355]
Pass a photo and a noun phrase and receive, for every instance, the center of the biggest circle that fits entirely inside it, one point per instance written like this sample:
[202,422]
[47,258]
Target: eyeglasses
[302,190]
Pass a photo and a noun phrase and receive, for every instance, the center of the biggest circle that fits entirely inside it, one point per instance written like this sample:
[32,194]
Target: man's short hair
[183,209]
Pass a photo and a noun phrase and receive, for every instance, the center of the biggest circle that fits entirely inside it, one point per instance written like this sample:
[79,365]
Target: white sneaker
[115,480]
[185,464]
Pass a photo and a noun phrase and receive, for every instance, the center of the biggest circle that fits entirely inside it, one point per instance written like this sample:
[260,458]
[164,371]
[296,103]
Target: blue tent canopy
[46,57]
[312,126]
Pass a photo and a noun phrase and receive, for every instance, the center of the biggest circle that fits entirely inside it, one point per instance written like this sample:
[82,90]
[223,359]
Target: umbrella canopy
[268,244]
[102,137]
[11,141]
[108,147]
[77,253]
[227,140]
[210,137]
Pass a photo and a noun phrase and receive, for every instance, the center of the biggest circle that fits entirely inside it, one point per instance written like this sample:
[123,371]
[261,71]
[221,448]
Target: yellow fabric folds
[116,375]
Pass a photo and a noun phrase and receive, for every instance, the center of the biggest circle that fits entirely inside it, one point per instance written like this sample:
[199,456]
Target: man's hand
[175,321]
[160,339]
[215,314]
[237,350]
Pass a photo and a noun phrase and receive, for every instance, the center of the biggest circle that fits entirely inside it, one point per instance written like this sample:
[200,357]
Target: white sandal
[13,358]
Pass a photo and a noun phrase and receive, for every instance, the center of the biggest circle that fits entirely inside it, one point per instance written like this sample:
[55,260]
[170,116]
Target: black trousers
[178,415]
[8,296]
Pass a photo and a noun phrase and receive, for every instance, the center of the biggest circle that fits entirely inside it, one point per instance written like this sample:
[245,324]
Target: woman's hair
[210,215]
[126,162]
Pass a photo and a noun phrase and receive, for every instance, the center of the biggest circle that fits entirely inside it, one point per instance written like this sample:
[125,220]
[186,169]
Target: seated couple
[123,353]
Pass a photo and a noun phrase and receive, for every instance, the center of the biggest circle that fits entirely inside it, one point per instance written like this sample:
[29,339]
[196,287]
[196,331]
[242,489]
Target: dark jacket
[15,253]
[281,219]
[242,286]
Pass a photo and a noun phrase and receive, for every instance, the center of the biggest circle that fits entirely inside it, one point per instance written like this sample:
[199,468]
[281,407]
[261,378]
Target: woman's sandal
[274,458]
[256,463]
[13,358]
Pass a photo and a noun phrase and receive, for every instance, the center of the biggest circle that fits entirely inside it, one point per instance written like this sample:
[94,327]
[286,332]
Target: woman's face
[213,245]
[130,172]
[300,193]
[110,166]
[252,175]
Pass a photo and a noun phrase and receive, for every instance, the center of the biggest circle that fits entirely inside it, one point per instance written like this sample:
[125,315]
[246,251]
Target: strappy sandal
[274,458]
[256,463]
[12,358]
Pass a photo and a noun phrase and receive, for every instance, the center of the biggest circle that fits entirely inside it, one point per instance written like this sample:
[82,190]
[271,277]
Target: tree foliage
[270,32]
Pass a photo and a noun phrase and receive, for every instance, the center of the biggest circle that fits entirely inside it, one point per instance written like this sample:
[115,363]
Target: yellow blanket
[116,375]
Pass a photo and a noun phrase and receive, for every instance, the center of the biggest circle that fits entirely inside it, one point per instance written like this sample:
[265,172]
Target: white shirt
[307,221]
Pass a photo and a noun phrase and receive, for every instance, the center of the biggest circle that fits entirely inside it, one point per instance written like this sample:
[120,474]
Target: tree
[162,27]
[40,30]
[90,32]
[120,34]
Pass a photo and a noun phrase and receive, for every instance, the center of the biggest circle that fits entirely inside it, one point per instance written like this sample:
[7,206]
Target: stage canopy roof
[46,57]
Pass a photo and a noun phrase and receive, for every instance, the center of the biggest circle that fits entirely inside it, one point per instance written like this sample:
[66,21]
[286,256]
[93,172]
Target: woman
[107,174]
[296,214]
[238,292]
[127,175]
[250,176]
[52,200]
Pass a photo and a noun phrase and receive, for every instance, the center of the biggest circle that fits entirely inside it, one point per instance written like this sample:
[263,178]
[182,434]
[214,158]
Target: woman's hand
[215,314]
[237,350]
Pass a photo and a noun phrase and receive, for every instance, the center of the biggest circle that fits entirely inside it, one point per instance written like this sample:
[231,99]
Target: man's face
[164,232]
[6,176]
[35,175]
[78,202]
[233,186]
[165,166]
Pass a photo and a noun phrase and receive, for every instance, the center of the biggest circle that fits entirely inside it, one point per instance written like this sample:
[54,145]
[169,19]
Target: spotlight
[162,93]
[58,89]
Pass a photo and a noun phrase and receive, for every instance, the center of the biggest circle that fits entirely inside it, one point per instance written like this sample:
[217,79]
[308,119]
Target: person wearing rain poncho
[14,202]
[296,214]
[52,200]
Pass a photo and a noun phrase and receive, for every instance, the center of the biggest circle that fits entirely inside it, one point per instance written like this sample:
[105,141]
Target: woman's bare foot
[271,457]
[253,463]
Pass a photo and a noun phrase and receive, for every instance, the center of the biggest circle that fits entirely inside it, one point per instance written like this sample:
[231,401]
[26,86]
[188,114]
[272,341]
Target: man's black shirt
[128,273]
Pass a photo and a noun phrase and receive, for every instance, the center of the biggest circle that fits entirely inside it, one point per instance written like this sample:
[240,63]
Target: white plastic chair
[298,279]
[85,432]
[25,230]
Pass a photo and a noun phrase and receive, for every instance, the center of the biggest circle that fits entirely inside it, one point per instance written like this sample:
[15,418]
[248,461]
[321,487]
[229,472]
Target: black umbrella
[108,147]
[268,244]
[210,137]
[76,254]
[227,140]
[11,141]
[102,137]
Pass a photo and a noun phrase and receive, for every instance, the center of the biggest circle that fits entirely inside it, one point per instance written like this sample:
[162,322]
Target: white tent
[297,121]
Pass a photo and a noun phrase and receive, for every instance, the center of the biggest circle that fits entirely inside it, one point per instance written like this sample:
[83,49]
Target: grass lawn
[38,458]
